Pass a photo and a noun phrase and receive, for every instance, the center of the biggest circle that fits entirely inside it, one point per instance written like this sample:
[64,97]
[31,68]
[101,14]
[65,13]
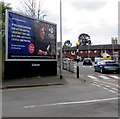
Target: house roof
[95,47]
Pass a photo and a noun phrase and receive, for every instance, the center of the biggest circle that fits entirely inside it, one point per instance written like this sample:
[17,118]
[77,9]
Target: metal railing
[68,65]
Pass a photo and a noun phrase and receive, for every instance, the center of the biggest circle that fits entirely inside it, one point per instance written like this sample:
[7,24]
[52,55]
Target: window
[95,51]
[89,51]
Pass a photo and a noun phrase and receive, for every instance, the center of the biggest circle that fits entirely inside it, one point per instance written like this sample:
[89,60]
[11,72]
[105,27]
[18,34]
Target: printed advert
[29,39]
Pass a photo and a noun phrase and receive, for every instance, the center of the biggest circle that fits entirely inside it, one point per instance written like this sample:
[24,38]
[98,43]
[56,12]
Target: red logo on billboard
[31,48]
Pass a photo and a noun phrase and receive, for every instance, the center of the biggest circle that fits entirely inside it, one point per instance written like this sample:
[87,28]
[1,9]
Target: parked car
[87,61]
[67,59]
[107,66]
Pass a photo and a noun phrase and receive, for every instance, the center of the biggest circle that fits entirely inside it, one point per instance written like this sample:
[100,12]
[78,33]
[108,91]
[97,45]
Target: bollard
[77,71]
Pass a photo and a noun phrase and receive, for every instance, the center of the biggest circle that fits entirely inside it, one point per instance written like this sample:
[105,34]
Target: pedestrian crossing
[104,77]
[115,77]
[92,77]
[97,77]
[105,84]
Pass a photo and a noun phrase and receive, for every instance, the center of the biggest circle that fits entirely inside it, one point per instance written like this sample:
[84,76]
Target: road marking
[104,77]
[103,82]
[69,103]
[106,87]
[92,77]
[97,85]
[108,83]
[113,76]
[114,89]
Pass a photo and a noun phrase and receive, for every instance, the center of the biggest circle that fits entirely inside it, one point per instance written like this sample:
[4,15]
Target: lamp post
[61,40]
[77,44]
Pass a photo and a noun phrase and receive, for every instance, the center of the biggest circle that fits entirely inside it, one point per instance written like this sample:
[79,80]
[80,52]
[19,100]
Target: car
[66,59]
[97,59]
[87,61]
[107,66]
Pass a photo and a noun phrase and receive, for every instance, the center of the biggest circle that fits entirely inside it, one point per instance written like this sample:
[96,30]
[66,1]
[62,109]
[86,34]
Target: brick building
[93,51]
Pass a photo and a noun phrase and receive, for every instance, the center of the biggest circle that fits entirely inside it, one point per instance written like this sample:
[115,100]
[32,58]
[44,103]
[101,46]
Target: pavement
[68,78]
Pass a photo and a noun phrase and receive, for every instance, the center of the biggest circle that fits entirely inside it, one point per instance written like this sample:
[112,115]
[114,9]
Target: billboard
[29,39]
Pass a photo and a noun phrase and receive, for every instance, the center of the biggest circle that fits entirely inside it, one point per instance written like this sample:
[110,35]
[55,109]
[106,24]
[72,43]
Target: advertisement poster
[29,39]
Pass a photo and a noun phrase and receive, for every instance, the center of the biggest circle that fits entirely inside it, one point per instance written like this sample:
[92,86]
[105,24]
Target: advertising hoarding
[29,39]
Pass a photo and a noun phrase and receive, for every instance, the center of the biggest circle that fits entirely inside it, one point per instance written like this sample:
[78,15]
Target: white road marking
[103,82]
[114,89]
[104,77]
[68,103]
[108,83]
[107,86]
[97,85]
[92,77]
[113,76]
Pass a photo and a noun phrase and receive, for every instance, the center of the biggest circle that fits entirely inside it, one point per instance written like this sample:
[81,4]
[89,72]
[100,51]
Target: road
[108,81]
[95,99]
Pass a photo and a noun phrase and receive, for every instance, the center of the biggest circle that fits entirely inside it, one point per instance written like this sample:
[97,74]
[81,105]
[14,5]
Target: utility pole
[61,40]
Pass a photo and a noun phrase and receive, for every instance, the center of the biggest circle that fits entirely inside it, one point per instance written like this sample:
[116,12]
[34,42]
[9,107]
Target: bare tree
[67,44]
[32,8]
[84,39]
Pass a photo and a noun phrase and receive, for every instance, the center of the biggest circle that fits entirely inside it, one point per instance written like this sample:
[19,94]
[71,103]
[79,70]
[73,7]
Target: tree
[84,39]
[3,7]
[67,44]
[33,9]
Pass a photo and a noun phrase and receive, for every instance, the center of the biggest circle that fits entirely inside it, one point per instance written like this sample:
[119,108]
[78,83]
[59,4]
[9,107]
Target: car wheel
[101,71]
[95,70]
[117,72]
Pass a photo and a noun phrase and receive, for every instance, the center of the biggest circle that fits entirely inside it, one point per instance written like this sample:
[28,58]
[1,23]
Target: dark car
[87,61]
[107,66]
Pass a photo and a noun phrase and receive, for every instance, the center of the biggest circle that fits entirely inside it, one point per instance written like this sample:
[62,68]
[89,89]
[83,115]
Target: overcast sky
[97,18]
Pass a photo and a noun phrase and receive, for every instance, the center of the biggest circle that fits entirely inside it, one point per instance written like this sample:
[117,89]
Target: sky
[97,18]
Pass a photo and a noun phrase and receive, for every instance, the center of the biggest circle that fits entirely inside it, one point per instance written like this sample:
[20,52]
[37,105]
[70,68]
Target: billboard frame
[6,37]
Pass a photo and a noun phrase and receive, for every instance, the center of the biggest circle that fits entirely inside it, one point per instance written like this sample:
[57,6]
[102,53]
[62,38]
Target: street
[98,98]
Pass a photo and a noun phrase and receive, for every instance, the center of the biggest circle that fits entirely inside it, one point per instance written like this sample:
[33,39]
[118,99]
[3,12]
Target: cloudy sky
[97,18]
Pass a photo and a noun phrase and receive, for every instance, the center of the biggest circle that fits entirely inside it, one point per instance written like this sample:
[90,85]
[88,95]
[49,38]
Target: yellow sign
[106,58]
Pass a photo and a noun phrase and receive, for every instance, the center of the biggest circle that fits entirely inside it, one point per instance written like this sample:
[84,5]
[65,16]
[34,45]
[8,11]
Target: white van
[97,59]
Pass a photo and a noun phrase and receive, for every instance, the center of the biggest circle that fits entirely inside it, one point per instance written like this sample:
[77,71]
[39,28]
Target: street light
[61,40]
[77,44]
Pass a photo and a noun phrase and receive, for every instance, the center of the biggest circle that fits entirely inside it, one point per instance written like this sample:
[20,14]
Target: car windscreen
[111,63]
